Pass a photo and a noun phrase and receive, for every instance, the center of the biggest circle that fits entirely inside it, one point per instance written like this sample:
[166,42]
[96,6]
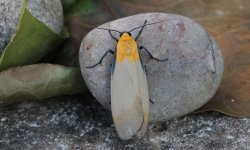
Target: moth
[129,88]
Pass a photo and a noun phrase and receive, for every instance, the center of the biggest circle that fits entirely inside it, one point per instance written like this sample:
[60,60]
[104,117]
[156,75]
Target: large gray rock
[47,11]
[178,86]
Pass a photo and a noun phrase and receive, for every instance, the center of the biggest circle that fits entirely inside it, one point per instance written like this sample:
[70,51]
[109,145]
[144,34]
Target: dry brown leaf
[233,96]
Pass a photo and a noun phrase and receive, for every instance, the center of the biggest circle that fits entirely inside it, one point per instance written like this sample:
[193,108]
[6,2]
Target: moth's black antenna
[133,28]
[87,25]
[109,30]
[146,25]
[93,27]
[140,30]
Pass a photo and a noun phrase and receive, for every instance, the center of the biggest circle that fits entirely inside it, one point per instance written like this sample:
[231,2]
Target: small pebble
[3,119]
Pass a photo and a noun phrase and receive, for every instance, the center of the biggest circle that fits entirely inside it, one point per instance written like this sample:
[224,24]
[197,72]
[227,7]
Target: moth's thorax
[126,49]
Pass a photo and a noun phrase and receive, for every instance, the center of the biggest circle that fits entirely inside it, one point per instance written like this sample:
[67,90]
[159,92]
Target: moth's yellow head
[127,48]
[125,36]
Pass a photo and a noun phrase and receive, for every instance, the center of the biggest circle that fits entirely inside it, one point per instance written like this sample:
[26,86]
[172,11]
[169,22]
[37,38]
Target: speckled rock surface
[47,11]
[178,86]
[79,122]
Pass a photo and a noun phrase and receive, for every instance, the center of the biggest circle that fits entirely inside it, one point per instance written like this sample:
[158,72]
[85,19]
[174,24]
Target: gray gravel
[79,122]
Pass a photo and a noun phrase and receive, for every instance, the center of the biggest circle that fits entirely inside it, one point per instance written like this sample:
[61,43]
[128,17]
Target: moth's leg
[152,102]
[150,55]
[113,36]
[100,61]
[145,68]
[142,64]
[110,67]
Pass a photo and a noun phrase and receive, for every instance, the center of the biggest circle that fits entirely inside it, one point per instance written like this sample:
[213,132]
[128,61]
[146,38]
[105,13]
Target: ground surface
[78,122]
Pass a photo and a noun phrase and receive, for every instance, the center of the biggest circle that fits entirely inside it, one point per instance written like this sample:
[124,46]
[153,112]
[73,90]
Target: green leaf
[32,41]
[39,81]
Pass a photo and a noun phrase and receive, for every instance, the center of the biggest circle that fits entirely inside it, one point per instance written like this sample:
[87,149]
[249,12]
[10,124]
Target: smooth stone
[47,11]
[178,86]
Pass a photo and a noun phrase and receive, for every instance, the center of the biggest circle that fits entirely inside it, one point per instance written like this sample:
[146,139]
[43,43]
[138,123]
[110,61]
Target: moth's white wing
[129,99]
[144,100]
